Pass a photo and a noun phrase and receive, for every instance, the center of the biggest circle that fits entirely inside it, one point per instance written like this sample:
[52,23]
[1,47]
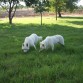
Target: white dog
[30,41]
[50,41]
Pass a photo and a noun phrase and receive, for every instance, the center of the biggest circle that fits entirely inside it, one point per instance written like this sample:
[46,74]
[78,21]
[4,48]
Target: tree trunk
[56,9]
[10,20]
[10,16]
[41,18]
[59,12]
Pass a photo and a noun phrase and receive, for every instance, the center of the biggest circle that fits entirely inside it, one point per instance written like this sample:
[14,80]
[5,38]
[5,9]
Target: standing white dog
[50,41]
[30,41]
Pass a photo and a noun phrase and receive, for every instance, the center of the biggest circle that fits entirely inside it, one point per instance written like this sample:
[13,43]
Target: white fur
[50,41]
[30,41]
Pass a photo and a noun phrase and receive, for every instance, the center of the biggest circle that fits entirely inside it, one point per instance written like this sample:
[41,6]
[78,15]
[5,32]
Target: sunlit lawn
[69,21]
[63,65]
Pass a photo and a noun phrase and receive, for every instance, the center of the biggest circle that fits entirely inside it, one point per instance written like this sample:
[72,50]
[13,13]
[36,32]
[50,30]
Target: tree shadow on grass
[18,32]
[76,22]
[5,25]
[68,17]
[45,29]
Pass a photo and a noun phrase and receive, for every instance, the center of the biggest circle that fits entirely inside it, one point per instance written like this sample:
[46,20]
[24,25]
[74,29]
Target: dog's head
[25,47]
[42,46]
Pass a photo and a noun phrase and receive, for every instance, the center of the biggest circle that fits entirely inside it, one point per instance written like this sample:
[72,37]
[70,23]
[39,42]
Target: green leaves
[44,6]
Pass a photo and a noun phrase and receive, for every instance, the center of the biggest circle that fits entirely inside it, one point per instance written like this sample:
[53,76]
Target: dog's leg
[34,47]
[52,46]
[40,50]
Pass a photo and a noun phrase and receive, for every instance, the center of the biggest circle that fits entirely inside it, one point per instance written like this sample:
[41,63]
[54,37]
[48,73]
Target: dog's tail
[40,38]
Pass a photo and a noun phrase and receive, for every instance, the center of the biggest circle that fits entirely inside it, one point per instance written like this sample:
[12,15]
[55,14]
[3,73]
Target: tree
[39,6]
[57,6]
[10,6]
[60,5]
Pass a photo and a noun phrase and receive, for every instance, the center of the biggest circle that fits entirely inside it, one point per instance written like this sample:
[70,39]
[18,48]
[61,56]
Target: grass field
[63,65]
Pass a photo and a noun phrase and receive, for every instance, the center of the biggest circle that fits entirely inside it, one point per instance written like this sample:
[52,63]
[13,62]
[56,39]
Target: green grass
[64,65]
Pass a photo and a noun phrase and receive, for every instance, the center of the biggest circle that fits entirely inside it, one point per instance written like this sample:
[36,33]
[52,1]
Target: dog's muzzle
[25,50]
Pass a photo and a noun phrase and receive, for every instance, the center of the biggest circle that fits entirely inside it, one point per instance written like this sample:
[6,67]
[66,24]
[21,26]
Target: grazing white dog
[50,41]
[30,41]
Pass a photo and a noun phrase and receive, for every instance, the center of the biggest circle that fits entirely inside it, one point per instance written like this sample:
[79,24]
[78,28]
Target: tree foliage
[37,5]
[71,4]
[41,7]
[30,2]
